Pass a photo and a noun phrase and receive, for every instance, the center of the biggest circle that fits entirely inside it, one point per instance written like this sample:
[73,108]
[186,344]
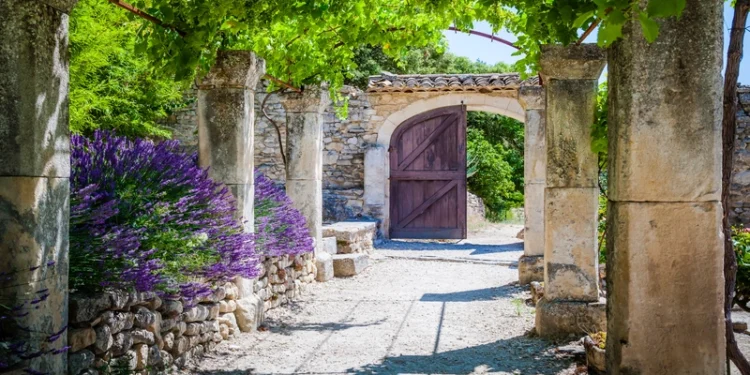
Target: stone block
[570,113]
[557,319]
[104,338]
[533,237]
[345,265]
[574,62]
[80,338]
[535,147]
[666,282]
[571,257]
[86,308]
[352,236]
[530,268]
[307,197]
[324,265]
[376,158]
[249,314]
[329,245]
[80,361]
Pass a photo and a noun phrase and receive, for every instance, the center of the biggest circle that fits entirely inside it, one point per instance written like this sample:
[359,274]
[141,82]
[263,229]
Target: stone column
[34,174]
[571,287]
[665,252]
[226,120]
[531,263]
[304,154]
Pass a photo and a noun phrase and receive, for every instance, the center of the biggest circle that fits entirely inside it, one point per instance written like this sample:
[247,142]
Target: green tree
[493,179]
[111,87]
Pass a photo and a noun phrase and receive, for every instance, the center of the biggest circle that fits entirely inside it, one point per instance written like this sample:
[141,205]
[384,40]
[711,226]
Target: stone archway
[412,102]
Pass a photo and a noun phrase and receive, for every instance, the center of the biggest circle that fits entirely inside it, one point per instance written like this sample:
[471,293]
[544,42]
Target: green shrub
[111,87]
[492,179]
[741,241]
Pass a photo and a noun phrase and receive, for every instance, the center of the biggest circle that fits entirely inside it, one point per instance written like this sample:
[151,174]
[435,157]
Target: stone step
[345,265]
[352,236]
[324,265]
[328,245]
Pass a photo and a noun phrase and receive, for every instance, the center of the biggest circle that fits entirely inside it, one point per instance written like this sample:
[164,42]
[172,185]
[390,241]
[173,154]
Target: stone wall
[740,189]
[143,334]
[345,143]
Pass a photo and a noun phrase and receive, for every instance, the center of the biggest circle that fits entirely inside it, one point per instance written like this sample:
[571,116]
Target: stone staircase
[345,249]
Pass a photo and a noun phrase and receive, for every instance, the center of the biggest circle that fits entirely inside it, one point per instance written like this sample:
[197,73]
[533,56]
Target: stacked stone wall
[141,333]
[345,143]
[740,189]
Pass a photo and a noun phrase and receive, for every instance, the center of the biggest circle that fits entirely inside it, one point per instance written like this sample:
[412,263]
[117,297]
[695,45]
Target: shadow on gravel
[285,329]
[446,246]
[487,294]
[521,354]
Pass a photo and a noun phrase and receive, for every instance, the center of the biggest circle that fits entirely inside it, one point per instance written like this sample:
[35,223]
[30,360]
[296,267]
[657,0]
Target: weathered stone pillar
[664,248]
[571,287]
[226,120]
[531,263]
[304,154]
[34,176]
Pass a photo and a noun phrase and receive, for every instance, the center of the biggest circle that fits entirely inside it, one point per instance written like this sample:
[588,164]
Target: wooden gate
[428,176]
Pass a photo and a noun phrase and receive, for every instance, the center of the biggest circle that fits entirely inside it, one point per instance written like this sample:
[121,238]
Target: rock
[80,338]
[104,338]
[324,264]
[739,326]
[168,324]
[168,339]
[228,320]
[180,346]
[171,308]
[118,320]
[80,361]
[142,336]
[520,234]
[249,313]
[124,363]
[244,288]
[352,236]
[123,341]
[537,291]
[154,303]
[166,358]
[328,245]
[345,265]
[595,357]
[144,318]
[119,299]
[213,311]
[227,306]
[179,328]
[193,329]
[154,357]
[84,309]
[232,291]
[210,326]
[195,314]
[141,356]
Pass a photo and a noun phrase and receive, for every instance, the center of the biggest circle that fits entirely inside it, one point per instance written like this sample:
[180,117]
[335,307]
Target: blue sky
[479,48]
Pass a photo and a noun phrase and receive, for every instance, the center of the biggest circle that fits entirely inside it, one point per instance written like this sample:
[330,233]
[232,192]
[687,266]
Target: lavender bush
[279,228]
[145,217]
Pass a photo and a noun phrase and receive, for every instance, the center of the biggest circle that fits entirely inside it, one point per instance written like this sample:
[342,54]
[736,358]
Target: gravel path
[403,316]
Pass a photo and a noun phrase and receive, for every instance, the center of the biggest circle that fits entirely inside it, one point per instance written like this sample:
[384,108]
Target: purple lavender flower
[279,228]
[144,216]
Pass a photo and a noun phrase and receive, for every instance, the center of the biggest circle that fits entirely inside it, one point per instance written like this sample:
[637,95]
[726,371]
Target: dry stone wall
[140,333]
[740,189]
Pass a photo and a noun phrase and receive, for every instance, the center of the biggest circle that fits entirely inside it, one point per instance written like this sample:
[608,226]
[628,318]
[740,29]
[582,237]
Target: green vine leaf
[665,8]
[649,26]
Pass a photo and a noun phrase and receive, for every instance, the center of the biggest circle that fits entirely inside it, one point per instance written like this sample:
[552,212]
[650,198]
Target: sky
[479,48]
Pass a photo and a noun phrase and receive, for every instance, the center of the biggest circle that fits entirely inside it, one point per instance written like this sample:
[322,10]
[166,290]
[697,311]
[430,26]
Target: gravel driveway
[404,316]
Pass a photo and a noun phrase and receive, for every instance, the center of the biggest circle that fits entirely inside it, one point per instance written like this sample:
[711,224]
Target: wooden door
[428,176]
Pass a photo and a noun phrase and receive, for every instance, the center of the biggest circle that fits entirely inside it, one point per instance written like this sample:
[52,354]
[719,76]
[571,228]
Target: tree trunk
[734,55]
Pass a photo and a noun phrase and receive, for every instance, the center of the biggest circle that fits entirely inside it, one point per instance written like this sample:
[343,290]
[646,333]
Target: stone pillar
[531,263]
[34,175]
[304,152]
[571,287]
[665,251]
[226,120]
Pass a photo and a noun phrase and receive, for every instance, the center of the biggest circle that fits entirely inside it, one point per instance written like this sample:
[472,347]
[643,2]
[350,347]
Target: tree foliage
[113,88]
[493,180]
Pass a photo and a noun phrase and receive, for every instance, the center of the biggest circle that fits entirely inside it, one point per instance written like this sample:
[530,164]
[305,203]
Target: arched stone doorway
[428,175]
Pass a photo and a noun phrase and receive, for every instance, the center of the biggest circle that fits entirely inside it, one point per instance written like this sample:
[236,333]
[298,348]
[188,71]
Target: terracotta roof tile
[448,82]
